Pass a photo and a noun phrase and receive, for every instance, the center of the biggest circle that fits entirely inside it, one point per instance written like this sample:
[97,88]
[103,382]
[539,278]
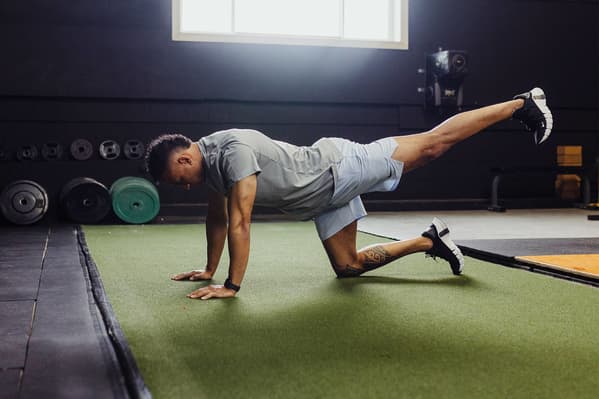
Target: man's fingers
[195,276]
[197,293]
[208,296]
[212,291]
[185,275]
[181,276]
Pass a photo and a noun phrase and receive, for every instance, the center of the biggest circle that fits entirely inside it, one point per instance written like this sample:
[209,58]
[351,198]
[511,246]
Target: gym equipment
[595,205]
[445,73]
[133,149]
[109,150]
[52,151]
[134,200]
[3,154]
[85,200]
[82,149]
[27,153]
[23,202]
[500,173]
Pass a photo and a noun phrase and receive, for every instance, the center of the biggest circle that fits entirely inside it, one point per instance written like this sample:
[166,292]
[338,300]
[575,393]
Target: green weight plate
[122,182]
[134,200]
[126,181]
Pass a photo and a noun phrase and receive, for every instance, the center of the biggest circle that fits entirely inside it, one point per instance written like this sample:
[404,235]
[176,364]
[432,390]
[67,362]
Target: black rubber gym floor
[53,341]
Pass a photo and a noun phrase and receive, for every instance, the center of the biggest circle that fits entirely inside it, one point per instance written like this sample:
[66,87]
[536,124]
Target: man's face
[182,170]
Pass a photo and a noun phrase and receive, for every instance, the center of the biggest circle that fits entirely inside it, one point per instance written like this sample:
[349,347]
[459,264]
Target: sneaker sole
[443,232]
[538,97]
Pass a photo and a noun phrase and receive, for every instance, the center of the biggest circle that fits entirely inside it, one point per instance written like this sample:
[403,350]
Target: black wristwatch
[231,286]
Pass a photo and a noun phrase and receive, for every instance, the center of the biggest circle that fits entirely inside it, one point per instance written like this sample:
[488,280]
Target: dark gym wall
[109,69]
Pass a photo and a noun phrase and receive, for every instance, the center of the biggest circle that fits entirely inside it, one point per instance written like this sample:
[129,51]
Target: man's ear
[184,159]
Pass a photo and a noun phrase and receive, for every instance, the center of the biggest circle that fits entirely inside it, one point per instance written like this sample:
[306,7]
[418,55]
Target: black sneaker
[443,246]
[535,114]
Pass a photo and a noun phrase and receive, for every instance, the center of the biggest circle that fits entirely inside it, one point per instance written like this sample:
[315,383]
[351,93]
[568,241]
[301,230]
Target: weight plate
[3,154]
[110,150]
[82,149]
[52,151]
[27,153]
[23,202]
[85,200]
[134,200]
[133,149]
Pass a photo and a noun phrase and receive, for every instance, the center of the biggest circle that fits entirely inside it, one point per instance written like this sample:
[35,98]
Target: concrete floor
[485,225]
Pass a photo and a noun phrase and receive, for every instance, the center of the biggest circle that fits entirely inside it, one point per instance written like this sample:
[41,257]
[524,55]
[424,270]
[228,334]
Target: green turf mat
[409,330]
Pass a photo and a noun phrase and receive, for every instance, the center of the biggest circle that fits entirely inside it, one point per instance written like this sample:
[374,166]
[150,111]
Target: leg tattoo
[376,256]
[352,264]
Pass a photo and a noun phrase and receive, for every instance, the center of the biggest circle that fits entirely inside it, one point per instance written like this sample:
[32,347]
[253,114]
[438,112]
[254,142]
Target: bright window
[344,23]
[206,16]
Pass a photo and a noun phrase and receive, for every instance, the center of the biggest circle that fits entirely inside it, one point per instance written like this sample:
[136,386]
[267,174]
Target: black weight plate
[52,151]
[85,200]
[4,156]
[109,150]
[27,153]
[23,202]
[81,149]
[133,149]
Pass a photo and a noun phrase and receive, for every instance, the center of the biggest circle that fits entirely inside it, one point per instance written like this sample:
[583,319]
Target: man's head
[171,158]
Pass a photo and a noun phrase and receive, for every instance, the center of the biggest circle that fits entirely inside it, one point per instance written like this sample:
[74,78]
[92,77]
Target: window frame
[403,44]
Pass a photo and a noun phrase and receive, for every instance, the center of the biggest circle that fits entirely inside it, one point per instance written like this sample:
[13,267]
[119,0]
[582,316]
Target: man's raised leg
[416,150]
[530,108]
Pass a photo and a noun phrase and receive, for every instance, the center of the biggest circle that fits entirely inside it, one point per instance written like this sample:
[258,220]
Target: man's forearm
[239,251]
[240,203]
[216,235]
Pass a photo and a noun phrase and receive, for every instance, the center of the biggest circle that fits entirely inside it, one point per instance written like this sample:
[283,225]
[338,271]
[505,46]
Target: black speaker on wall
[445,73]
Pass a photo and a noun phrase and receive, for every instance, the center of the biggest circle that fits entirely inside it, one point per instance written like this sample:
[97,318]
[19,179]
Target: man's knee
[347,271]
[434,147]
[350,268]
[419,149]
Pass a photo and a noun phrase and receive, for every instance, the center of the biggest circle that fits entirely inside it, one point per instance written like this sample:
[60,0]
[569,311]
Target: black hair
[159,152]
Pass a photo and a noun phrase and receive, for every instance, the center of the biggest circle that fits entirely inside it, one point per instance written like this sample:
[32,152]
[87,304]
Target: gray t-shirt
[296,180]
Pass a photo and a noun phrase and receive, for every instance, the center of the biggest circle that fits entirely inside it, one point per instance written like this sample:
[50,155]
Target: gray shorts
[364,168]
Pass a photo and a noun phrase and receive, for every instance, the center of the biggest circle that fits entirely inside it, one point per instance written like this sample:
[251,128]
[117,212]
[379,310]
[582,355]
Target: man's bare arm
[216,230]
[240,205]
[216,235]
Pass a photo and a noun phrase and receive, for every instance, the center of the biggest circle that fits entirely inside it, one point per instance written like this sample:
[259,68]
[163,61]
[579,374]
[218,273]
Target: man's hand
[194,275]
[212,291]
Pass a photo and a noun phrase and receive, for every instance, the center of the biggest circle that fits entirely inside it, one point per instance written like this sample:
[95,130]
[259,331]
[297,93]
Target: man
[322,182]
